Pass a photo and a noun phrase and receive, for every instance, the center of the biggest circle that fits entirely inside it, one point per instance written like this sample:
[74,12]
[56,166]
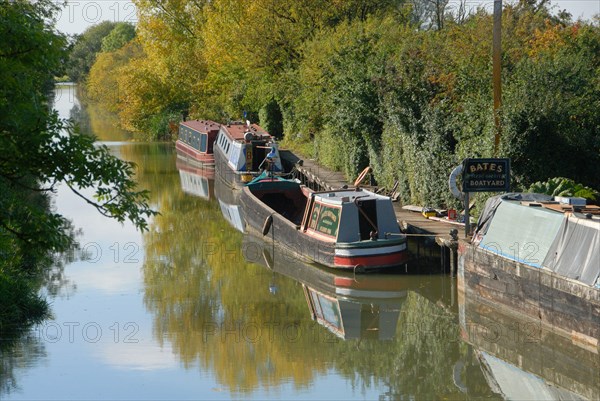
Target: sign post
[496,72]
[483,175]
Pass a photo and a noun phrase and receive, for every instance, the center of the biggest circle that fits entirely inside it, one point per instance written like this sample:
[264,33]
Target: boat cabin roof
[202,126]
[236,130]
[342,196]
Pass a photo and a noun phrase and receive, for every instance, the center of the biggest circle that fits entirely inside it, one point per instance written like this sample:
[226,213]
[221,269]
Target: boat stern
[378,254]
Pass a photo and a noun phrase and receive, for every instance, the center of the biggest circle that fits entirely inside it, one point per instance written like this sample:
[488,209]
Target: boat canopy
[568,244]
[575,252]
[268,181]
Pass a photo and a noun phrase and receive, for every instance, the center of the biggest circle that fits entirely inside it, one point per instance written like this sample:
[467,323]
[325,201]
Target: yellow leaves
[445,83]
[548,38]
[103,80]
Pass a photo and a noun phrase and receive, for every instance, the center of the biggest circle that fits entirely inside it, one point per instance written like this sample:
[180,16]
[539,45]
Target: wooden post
[467,216]
[452,262]
[497,51]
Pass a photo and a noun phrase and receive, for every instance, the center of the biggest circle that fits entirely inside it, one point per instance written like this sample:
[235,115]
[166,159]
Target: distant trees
[85,48]
[121,34]
[105,36]
[404,87]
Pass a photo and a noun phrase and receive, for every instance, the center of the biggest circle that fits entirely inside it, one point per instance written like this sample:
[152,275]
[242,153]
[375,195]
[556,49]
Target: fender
[452,182]
[267,225]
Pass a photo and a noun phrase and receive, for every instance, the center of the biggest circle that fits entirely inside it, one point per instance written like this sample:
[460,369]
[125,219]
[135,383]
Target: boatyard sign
[486,175]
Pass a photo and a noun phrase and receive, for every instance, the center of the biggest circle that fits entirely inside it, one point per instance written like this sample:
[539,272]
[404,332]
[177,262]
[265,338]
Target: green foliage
[160,126]
[122,33]
[85,48]
[271,119]
[560,186]
[558,125]
[39,152]
[103,81]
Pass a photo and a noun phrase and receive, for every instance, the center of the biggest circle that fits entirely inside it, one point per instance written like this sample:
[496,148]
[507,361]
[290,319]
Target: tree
[38,152]
[156,87]
[122,33]
[556,132]
[85,48]
[103,80]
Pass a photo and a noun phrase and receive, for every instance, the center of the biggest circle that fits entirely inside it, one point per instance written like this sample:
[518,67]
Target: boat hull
[194,156]
[235,179]
[358,256]
[375,257]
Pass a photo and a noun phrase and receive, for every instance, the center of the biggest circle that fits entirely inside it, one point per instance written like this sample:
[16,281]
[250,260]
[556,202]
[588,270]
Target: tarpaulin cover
[575,252]
[492,203]
[521,233]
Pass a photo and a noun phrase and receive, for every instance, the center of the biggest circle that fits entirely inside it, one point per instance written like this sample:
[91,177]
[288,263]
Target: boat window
[325,219]
[329,220]
[314,216]
[203,142]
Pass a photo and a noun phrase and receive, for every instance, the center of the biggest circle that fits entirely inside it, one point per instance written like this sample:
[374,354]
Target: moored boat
[243,151]
[537,257]
[195,142]
[347,228]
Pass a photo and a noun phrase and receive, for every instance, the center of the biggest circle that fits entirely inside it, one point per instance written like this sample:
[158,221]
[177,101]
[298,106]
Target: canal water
[195,309]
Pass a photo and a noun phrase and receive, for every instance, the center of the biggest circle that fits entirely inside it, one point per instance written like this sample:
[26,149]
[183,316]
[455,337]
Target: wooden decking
[314,175]
[416,223]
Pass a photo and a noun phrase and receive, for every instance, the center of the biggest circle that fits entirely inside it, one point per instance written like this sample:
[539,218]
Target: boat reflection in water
[350,306]
[196,181]
[521,360]
[229,202]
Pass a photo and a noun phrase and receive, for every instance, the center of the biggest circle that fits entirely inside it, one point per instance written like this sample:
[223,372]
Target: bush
[271,119]
[560,186]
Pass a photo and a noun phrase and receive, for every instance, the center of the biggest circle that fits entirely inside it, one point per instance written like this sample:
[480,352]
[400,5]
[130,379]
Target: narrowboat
[346,228]
[537,257]
[196,181]
[243,151]
[195,142]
